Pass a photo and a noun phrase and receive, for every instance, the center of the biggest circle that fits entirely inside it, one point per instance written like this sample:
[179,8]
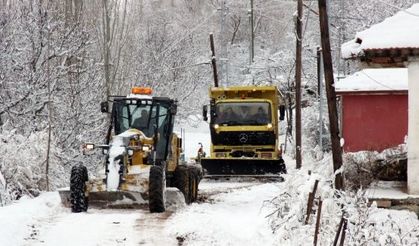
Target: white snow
[231,213]
[388,190]
[117,147]
[195,133]
[16,220]
[234,216]
[398,31]
[386,79]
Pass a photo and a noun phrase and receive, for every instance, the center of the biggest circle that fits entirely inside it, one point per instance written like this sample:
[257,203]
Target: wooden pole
[311,197]
[252,33]
[331,94]
[319,212]
[298,66]
[342,238]
[335,242]
[214,65]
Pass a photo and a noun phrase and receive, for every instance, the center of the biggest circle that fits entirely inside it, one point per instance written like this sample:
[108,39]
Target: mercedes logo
[243,138]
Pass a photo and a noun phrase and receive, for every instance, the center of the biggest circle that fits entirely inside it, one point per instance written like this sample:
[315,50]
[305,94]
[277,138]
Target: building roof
[370,80]
[400,31]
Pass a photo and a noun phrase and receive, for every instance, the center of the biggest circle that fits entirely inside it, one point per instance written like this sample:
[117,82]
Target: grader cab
[142,157]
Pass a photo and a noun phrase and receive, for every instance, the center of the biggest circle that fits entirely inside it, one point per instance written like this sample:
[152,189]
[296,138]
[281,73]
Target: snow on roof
[398,31]
[387,79]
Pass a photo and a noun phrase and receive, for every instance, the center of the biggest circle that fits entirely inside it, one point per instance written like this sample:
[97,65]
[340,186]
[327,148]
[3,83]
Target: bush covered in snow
[363,167]
[366,224]
[23,165]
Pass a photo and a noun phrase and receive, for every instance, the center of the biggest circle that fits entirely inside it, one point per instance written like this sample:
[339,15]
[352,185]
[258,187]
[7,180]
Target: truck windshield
[242,113]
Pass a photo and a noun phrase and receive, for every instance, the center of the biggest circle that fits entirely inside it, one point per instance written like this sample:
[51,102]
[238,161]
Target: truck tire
[181,181]
[282,166]
[78,198]
[157,189]
[194,178]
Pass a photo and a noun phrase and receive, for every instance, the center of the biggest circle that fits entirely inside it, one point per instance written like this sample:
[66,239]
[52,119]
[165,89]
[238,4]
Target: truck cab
[244,131]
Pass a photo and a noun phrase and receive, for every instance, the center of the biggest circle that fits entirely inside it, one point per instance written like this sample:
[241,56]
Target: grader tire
[157,189]
[194,179]
[181,181]
[78,198]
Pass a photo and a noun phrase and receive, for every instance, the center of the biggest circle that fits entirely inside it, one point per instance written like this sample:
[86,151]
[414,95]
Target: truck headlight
[216,126]
[269,126]
[146,148]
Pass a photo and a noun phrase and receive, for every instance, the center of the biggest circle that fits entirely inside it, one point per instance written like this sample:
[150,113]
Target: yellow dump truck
[244,130]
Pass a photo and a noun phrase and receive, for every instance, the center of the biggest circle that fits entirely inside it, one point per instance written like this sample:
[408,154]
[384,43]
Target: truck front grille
[244,138]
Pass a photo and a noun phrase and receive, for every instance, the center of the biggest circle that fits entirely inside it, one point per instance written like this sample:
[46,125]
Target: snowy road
[229,213]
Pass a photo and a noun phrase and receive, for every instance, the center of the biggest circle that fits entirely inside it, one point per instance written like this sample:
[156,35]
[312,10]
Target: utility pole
[222,38]
[298,65]
[320,94]
[252,34]
[223,43]
[214,65]
[331,94]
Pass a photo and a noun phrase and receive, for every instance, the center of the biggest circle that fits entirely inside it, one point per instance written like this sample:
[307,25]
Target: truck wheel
[181,181]
[78,198]
[282,166]
[157,189]
[194,179]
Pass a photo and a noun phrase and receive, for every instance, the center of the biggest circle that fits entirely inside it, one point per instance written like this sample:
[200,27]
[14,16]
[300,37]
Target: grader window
[129,115]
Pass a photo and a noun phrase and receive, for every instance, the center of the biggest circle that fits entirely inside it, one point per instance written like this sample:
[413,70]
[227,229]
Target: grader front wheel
[78,199]
[157,189]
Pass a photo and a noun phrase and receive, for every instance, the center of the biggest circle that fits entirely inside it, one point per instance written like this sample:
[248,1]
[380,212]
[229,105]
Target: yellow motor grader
[142,157]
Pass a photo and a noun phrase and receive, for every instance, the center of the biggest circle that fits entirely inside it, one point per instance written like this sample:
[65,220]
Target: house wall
[413,141]
[374,122]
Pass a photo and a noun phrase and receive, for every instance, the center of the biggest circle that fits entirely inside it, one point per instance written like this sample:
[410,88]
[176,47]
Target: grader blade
[109,199]
[118,199]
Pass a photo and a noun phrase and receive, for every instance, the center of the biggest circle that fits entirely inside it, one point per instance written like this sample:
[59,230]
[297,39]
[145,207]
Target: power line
[376,81]
[187,34]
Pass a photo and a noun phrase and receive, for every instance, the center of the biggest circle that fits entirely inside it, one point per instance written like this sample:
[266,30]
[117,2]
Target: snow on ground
[228,213]
[17,219]
[233,217]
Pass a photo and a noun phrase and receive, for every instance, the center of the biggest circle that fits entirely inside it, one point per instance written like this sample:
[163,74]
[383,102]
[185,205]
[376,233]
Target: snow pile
[367,225]
[18,219]
[393,79]
[398,31]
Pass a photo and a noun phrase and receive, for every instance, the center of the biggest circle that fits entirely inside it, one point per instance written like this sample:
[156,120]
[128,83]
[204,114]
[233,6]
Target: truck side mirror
[281,112]
[104,107]
[205,112]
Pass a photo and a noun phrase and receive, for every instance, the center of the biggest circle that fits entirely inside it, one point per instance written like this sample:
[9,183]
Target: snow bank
[17,219]
[398,31]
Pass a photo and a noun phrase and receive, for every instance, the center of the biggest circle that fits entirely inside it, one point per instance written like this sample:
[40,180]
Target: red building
[374,109]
